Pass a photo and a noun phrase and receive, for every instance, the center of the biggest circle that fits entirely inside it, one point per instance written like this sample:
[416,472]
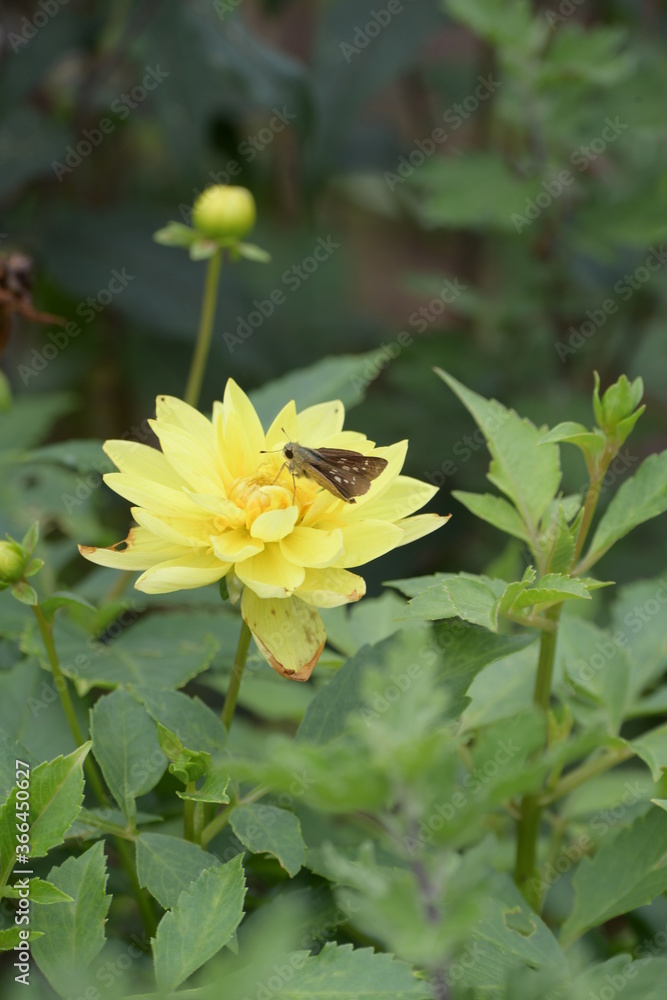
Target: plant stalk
[203,345]
[237,674]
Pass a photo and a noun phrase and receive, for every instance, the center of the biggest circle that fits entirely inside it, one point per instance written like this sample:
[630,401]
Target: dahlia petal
[395,456]
[134,459]
[316,423]
[312,547]
[153,495]
[404,496]
[184,573]
[273,525]
[235,545]
[285,427]
[368,539]
[191,459]
[288,633]
[242,433]
[352,440]
[142,550]
[221,507]
[420,525]
[170,410]
[183,531]
[269,574]
[329,588]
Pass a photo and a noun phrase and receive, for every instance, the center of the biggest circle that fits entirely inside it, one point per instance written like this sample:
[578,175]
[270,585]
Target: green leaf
[638,499]
[639,864]
[175,234]
[56,794]
[495,510]
[252,252]
[186,765]
[73,931]
[214,788]
[202,248]
[143,655]
[473,599]
[82,456]
[9,938]
[10,752]
[266,829]
[24,593]
[166,866]
[642,980]
[553,588]
[590,442]
[65,599]
[194,723]
[200,924]
[126,747]
[340,972]
[652,748]
[638,625]
[596,667]
[40,892]
[30,418]
[525,471]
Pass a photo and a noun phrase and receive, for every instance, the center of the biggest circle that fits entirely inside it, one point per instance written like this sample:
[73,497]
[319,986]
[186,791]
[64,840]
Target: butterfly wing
[346,474]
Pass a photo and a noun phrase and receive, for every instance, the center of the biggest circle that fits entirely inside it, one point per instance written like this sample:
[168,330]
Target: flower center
[258,493]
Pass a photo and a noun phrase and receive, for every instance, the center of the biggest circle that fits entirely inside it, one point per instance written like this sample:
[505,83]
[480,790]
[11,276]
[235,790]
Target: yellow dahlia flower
[213,504]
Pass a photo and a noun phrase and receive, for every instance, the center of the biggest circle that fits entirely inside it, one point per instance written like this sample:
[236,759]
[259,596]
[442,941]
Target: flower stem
[92,774]
[189,814]
[237,674]
[198,367]
[528,827]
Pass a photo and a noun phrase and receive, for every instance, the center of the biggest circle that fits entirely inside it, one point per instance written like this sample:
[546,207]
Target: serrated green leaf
[590,442]
[265,829]
[469,598]
[638,499]
[652,748]
[126,747]
[9,938]
[166,866]
[73,931]
[553,588]
[495,510]
[638,624]
[639,863]
[525,471]
[56,794]
[40,892]
[642,980]
[596,667]
[186,765]
[200,924]
[194,723]
[340,972]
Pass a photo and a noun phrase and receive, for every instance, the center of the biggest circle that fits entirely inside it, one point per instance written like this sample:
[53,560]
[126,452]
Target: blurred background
[484,181]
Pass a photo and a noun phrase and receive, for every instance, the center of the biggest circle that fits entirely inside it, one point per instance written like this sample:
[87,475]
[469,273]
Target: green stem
[590,769]
[216,825]
[189,814]
[200,357]
[46,632]
[528,827]
[237,674]
[92,774]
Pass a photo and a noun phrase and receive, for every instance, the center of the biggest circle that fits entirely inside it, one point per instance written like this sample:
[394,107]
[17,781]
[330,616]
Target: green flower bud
[616,412]
[12,563]
[224,212]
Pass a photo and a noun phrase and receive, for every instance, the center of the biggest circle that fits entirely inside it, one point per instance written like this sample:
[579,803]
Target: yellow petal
[221,507]
[329,588]
[240,434]
[154,495]
[273,525]
[420,525]
[404,496]
[289,634]
[139,460]
[269,574]
[352,440]
[183,531]
[184,573]
[366,540]
[170,410]
[284,428]
[316,423]
[193,462]
[395,456]
[235,545]
[312,547]
[142,550]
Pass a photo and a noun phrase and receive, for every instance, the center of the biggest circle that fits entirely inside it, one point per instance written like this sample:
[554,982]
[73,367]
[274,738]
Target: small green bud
[618,402]
[12,563]
[224,212]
